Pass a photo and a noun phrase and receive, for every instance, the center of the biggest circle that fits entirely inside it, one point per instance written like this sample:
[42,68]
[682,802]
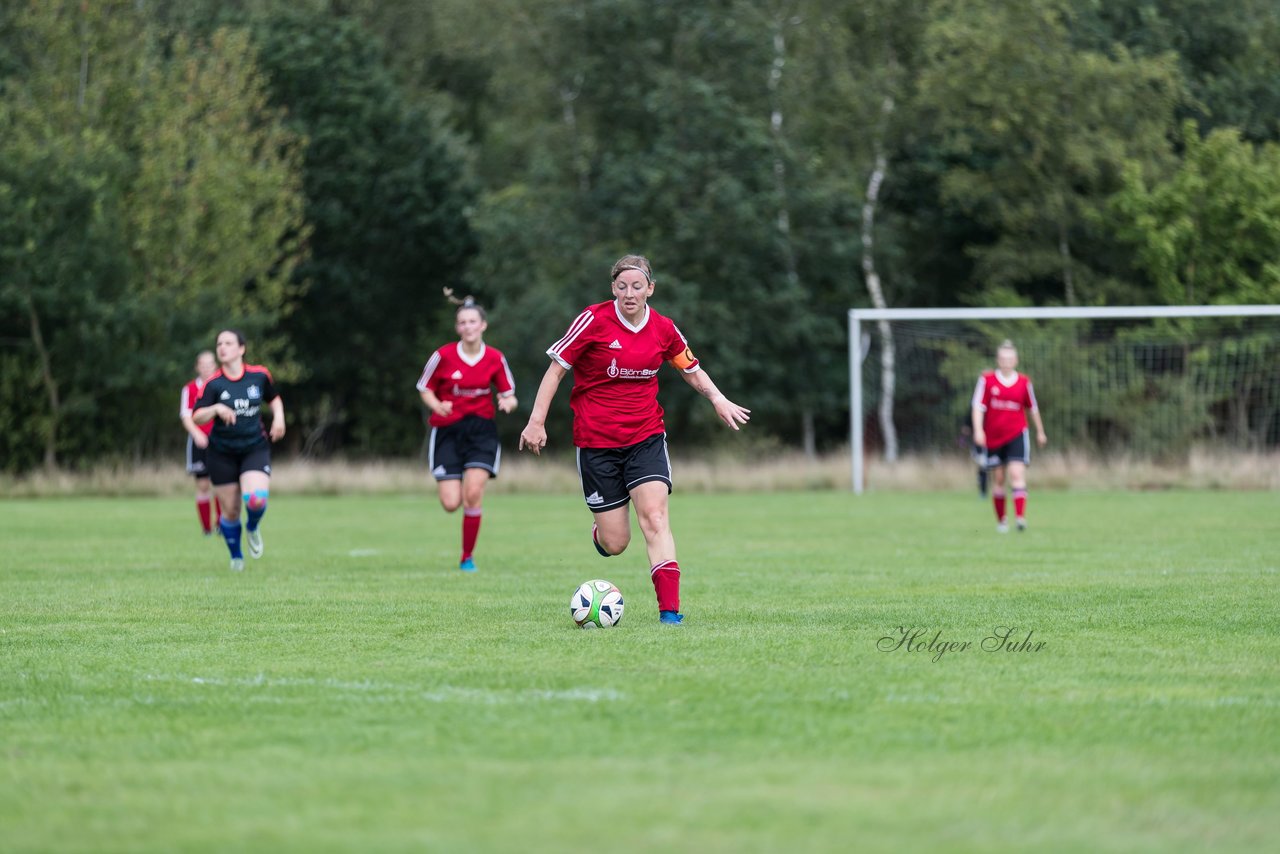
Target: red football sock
[997,499]
[1020,502]
[217,512]
[470,530]
[666,583]
[206,512]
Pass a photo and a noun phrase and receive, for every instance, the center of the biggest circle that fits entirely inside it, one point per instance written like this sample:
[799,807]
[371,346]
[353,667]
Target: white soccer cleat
[1002,527]
[253,540]
[237,564]
[1021,522]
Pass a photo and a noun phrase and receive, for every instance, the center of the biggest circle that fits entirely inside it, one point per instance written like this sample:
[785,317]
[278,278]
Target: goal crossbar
[857,350]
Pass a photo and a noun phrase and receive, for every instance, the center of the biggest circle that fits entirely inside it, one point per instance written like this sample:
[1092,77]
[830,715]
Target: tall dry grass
[773,471]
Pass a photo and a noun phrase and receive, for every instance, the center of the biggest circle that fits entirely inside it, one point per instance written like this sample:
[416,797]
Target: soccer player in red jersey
[615,349]
[457,385]
[1001,401]
[198,440]
[239,455]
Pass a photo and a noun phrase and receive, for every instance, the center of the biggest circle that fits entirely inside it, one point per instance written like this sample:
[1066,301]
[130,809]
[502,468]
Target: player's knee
[450,504]
[654,521]
[614,542]
[256,501]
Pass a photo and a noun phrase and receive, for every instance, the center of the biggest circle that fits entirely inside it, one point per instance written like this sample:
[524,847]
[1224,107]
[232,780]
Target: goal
[1138,381]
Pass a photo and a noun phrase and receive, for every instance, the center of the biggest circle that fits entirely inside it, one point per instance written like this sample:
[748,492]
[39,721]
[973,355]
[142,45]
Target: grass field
[353,691]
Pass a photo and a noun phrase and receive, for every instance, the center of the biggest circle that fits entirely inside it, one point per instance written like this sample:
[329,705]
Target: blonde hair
[466,302]
[1006,344]
[632,262]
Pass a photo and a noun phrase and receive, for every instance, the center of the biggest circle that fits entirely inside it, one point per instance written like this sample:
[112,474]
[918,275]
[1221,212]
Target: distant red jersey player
[615,350]
[457,386]
[198,441]
[1001,401]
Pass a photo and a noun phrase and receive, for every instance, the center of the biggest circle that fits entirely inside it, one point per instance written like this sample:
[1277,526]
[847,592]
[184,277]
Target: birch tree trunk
[807,429]
[888,376]
[50,386]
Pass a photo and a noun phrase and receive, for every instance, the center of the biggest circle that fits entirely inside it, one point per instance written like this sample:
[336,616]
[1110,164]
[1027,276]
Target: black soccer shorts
[196,466]
[471,443]
[609,474]
[225,467]
[1016,450]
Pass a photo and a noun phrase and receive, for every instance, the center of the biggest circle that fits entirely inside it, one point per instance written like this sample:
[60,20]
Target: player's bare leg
[653,515]
[611,532]
[998,499]
[450,494]
[1018,484]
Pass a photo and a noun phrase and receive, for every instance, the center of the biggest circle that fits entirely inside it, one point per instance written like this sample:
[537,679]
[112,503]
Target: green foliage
[1209,232]
[1041,130]
[386,199]
[317,171]
[1229,54]
[663,147]
[62,269]
[217,187]
[149,197]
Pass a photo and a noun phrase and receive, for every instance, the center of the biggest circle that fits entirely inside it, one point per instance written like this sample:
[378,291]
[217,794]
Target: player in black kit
[239,455]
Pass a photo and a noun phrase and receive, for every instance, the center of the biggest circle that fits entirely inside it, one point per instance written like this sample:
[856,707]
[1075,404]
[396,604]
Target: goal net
[1152,383]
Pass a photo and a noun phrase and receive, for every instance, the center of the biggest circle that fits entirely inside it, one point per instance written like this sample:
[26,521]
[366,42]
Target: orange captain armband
[684,360]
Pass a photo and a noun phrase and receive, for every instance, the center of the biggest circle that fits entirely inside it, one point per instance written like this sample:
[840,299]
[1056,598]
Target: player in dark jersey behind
[1000,403]
[198,442]
[457,386]
[615,349]
[977,453]
[239,455]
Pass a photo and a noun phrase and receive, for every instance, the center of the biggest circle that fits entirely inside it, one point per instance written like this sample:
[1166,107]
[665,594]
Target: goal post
[861,342]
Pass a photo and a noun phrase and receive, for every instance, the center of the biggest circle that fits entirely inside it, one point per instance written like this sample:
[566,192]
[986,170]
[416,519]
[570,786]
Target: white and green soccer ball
[596,604]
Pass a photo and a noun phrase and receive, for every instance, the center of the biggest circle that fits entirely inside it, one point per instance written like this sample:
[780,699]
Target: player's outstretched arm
[979,434]
[534,434]
[443,408]
[1041,438]
[277,418]
[730,413]
[197,435]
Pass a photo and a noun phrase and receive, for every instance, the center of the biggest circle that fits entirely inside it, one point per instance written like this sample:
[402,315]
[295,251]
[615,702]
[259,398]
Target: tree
[1208,232]
[215,205]
[1040,131]
[145,198]
[1228,53]
[616,126]
[387,200]
[852,100]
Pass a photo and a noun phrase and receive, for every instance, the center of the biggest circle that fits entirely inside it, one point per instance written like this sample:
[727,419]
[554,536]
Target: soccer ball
[596,604]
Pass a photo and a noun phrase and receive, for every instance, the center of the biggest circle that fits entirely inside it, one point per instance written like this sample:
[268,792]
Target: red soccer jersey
[187,403]
[1004,404]
[450,375]
[615,366]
